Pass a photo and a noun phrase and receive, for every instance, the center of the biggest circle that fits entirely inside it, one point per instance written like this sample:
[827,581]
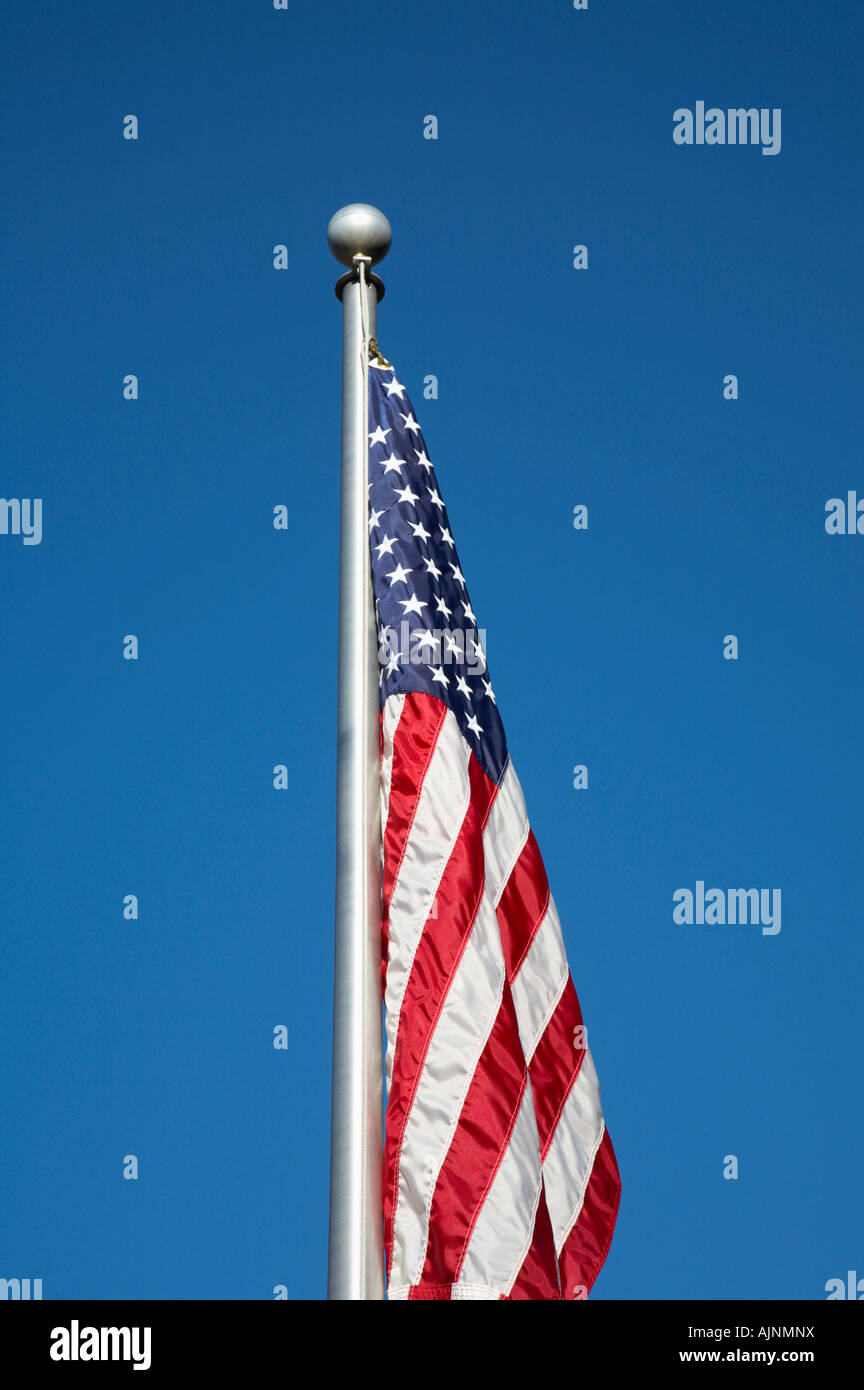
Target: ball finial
[359,230]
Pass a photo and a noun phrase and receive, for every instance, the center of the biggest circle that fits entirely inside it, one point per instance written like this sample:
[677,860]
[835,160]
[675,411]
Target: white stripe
[570,1158]
[475,1293]
[504,1229]
[505,834]
[441,809]
[540,982]
[581,1201]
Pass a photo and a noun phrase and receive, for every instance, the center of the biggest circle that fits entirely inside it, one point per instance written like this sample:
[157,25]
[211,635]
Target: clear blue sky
[601,386]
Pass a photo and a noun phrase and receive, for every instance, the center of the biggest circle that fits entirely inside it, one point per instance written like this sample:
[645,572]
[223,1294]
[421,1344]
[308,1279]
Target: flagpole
[358,236]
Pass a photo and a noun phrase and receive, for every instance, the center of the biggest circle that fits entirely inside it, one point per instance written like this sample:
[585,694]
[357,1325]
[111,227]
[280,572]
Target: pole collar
[354,274]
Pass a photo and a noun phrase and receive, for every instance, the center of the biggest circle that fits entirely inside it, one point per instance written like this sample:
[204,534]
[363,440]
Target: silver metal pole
[356,1254]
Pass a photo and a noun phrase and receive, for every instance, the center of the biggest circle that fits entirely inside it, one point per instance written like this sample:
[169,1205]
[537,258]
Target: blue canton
[428,636]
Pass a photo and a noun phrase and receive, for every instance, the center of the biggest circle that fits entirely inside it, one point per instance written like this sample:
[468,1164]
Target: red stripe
[478,1146]
[436,960]
[413,746]
[439,1292]
[558,1056]
[522,906]
[538,1277]
[587,1245]
[556,1061]
[555,1064]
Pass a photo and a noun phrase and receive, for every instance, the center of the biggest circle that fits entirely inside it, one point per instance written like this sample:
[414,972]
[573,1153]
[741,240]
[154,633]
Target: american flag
[500,1180]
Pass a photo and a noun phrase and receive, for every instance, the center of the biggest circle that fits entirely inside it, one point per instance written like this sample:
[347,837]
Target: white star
[452,645]
[436,500]
[438,675]
[442,608]
[391,465]
[422,637]
[463,687]
[447,538]
[421,534]
[386,546]
[477,654]
[398,576]
[410,423]
[413,605]
[487,685]
[458,575]
[474,726]
[406,495]
[378,436]
[393,664]
[422,459]
[469,613]
[374,518]
[395,388]
[432,568]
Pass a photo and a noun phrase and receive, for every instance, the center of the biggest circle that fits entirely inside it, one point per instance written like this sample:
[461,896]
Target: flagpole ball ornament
[359,230]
